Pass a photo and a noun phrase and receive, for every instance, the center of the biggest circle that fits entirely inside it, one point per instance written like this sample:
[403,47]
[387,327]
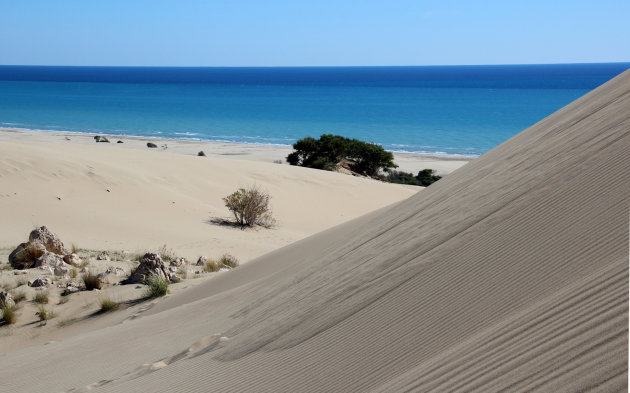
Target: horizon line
[311,66]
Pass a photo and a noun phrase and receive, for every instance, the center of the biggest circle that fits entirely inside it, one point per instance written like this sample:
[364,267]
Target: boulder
[25,255]
[120,141]
[49,259]
[151,145]
[201,154]
[179,262]
[39,282]
[72,259]
[150,264]
[202,261]
[6,300]
[104,256]
[48,239]
[99,138]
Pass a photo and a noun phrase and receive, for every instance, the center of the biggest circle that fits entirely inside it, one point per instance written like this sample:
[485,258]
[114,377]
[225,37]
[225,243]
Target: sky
[312,33]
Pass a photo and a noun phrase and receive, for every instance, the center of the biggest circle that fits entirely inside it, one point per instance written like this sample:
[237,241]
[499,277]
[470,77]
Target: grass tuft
[211,266]
[228,261]
[108,305]
[91,281]
[156,286]
[44,314]
[8,315]
[41,298]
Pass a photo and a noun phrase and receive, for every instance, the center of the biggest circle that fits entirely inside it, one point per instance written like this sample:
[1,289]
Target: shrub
[330,150]
[156,286]
[211,266]
[74,272]
[250,207]
[44,315]
[8,314]
[41,298]
[108,305]
[75,249]
[425,177]
[91,281]
[228,261]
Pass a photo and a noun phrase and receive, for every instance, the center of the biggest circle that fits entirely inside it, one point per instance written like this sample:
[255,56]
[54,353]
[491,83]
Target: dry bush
[41,298]
[43,314]
[8,314]
[91,281]
[211,266]
[250,207]
[108,305]
[228,261]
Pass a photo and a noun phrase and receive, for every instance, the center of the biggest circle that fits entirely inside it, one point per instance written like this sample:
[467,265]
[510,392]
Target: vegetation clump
[329,151]
[8,314]
[250,207]
[228,261]
[91,281]
[211,266]
[41,298]
[156,286]
[425,177]
[108,305]
[44,314]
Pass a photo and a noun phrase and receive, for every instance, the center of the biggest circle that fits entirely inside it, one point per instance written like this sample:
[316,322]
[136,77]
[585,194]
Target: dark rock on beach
[151,145]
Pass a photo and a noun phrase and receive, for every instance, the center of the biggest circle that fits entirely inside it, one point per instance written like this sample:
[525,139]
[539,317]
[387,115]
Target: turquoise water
[444,110]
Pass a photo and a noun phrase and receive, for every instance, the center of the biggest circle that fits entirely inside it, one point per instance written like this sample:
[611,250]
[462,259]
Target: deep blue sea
[458,110]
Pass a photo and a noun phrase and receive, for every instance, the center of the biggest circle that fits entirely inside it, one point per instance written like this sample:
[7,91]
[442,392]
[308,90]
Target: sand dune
[511,274]
[104,196]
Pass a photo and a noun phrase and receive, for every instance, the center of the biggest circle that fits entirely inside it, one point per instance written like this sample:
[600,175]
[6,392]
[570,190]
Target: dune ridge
[510,274]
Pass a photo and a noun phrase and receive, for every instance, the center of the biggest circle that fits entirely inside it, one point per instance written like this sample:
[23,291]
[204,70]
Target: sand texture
[510,274]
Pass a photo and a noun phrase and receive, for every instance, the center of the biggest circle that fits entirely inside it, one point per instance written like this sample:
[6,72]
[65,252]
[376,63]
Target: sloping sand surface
[104,196]
[509,274]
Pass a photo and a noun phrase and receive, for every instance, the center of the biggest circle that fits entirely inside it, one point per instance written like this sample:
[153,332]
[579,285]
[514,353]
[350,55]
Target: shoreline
[407,161]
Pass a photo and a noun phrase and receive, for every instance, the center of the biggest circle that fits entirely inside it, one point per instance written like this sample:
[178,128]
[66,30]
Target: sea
[443,110]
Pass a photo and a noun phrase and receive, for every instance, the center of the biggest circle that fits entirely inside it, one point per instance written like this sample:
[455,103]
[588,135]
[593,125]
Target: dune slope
[510,274]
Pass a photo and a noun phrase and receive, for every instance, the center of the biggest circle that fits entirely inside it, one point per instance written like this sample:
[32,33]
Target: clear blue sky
[312,33]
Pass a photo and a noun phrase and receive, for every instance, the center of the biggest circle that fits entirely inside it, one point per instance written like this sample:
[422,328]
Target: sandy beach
[509,274]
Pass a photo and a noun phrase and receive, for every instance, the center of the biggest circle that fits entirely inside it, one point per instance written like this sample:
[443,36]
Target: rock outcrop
[49,259]
[6,299]
[150,264]
[51,241]
[40,282]
[25,255]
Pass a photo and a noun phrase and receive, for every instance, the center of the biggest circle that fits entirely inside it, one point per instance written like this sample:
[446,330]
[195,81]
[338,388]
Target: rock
[72,259]
[150,264]
[6,300]
[51,241]
[179,262]
[49,260]
[202,261]
[99,138]
[40,282]
[69,290]
[104,256]
[25,255]
[172,269]
[61,271]
[120,141]
[201,154]
[151,145]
